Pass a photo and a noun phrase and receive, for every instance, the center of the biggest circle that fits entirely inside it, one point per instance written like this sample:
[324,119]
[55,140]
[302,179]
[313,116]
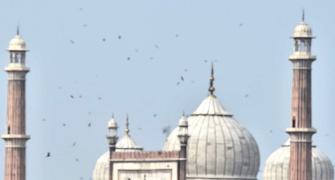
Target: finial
[126,130]
[113,115]
[211,88]
[18,30]
[303,15]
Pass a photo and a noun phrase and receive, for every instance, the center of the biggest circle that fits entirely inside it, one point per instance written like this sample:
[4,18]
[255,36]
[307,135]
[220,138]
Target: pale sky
[75,50]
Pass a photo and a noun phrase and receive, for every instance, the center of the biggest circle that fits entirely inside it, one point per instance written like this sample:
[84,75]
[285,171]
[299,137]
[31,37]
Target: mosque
[209,144]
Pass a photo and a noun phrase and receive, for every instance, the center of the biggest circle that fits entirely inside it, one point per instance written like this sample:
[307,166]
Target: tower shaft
[301,131]
[15,139]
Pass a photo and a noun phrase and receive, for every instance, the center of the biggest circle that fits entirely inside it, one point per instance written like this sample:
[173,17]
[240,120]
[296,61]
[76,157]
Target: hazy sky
[75,50]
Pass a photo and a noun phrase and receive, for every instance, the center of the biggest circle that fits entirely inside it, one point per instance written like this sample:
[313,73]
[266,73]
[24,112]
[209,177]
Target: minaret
[183,139]
[16,137]
[112,140]
[301,130]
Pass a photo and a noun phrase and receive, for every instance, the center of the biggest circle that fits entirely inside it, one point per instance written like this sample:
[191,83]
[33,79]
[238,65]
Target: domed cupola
[126,143]
[17,43]
[277,165]
[218,147]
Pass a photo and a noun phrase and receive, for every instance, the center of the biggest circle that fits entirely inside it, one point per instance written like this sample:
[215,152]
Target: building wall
[145,170]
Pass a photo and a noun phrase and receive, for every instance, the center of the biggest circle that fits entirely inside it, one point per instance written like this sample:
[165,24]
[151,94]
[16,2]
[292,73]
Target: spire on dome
[303,15]
[126,130]
[211,88]
[18,30]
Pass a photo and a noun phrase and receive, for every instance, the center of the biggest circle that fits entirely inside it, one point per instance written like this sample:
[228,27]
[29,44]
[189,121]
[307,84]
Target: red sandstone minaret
[15,137]
[301,130]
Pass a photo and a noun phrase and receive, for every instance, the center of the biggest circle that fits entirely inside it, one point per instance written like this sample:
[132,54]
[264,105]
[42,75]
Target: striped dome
[277,165]
[219,147]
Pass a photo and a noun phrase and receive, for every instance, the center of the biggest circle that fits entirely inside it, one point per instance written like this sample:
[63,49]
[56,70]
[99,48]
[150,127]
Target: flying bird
[119,37]
[72,41]
[103,39]
[182,78]
[166,130]
[128,58]
[48,155]
[72,96]
[89,124]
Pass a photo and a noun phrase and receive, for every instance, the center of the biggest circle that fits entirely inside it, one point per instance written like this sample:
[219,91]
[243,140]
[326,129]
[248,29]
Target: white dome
[101,168]
[17,44]
[126,143]
[219,147]
[302,30]
[277,165]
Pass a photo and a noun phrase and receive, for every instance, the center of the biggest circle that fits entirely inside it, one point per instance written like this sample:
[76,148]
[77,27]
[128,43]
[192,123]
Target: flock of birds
[165,129]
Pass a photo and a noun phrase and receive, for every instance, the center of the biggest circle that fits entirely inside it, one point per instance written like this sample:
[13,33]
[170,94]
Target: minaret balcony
[299,55]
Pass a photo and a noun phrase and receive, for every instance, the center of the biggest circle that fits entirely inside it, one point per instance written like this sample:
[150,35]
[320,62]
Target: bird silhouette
[182,78]
[48,155]
[72,41]
[166,130]
[89,124]
[128,58]
[72,96]
[119,37]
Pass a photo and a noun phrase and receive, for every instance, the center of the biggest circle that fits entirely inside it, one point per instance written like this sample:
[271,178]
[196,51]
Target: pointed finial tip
[127,124]
[211,88]
[303,15]
[18,30]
